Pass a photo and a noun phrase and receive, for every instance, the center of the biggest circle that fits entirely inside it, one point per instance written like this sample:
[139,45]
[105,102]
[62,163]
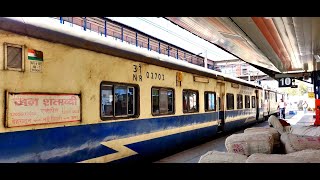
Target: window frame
[188,105]
[272,96]
[228,101]
[173,99]
[253,97]
[241,101]
[6,45]
[215,101]
[245,102]
[266,95]
[136,101]
[112,91]
[114,105]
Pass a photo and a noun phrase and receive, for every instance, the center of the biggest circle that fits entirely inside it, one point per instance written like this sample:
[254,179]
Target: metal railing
[108,28]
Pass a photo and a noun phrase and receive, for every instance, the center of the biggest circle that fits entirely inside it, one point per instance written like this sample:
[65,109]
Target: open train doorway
[221,111]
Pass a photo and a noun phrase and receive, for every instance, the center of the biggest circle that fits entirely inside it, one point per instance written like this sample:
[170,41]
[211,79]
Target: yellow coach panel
[72,70]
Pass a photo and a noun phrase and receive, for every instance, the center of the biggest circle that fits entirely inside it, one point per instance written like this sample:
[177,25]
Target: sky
[165,30]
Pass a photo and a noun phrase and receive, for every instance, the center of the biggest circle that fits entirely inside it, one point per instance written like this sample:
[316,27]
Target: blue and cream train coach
[70,96]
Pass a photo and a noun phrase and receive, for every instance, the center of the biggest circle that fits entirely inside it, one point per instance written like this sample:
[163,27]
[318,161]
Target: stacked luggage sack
[268,145]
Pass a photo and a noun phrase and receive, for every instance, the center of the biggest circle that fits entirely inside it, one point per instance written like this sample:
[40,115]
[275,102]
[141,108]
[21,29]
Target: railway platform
[193,155]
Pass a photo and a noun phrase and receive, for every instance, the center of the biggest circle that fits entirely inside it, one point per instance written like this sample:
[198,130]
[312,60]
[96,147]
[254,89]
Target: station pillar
[316,85]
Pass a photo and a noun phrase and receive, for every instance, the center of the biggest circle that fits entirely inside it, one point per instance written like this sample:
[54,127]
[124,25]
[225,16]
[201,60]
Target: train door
[257,104]
[221,102]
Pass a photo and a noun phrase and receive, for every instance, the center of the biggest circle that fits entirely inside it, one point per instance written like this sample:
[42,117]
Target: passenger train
[70,96]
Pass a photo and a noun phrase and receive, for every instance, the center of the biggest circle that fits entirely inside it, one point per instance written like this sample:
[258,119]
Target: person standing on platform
[282,108]
[305,106]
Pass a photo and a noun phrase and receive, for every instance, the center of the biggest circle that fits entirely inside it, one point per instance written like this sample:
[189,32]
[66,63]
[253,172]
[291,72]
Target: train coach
[70,96]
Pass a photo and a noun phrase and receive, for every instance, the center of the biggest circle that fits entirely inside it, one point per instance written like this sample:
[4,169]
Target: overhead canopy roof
[273,44]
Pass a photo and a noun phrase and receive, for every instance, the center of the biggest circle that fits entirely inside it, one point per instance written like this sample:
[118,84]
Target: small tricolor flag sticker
[35,55]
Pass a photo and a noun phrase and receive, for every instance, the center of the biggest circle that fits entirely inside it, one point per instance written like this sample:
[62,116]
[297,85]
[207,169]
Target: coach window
[230,101]
[162,101]
[118,100]
[130,101]
[13,57]
[210,101]
[253,101]
[247,101]
[190,101]
[266,95]
[239,101]
[274,96]
[106,101]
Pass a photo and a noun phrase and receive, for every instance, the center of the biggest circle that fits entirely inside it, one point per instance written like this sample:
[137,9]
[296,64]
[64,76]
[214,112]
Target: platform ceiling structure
[272,44]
